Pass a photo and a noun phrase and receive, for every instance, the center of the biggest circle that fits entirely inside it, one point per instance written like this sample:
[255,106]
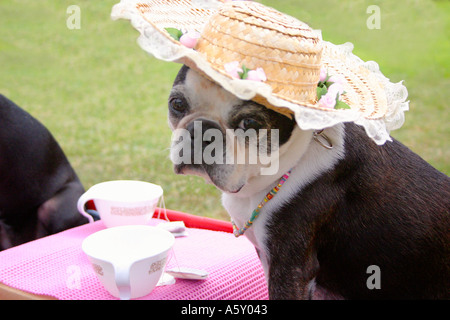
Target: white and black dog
[38,187]
[343,212]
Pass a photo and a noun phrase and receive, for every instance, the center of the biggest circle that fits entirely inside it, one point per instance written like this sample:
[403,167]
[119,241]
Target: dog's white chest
[240,210]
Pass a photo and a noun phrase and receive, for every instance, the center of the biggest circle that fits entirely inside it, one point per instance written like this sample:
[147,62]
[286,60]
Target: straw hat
[290,57]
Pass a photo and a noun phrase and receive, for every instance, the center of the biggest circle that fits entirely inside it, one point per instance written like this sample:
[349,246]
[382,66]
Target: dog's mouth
[236,190]
[207,173]
[192,169]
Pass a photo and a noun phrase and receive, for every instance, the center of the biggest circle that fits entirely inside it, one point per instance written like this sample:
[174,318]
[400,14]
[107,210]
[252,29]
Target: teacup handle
[122,276]
[85,197]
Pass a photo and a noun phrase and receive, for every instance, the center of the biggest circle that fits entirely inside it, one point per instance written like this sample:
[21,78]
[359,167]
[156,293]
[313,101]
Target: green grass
[104,99]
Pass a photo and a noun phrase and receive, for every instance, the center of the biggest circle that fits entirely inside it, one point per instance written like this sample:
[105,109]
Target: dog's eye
[178,105]
[249,123]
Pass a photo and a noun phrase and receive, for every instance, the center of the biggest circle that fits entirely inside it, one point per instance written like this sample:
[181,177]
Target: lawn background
[104,98]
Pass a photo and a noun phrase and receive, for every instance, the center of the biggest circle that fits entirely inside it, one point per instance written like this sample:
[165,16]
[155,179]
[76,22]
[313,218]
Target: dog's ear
[181,76]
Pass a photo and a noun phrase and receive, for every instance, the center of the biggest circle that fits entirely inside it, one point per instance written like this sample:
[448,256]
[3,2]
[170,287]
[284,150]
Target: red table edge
[193,221]
[190,220]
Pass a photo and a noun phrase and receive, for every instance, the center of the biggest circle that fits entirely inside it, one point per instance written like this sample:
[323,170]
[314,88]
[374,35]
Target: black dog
[38,187]
[354,221]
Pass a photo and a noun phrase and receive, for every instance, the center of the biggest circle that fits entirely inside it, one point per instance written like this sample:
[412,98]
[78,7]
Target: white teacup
[129,260]
[122,202]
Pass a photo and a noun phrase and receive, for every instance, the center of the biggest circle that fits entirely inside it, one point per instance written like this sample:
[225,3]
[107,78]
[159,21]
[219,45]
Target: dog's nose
[199,141]
[197,129]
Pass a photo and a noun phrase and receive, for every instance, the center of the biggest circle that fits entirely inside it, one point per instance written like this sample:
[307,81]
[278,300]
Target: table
[55,267]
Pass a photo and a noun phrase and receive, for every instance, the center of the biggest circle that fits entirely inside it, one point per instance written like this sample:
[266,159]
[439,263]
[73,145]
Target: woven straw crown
[289,51]
[257,36]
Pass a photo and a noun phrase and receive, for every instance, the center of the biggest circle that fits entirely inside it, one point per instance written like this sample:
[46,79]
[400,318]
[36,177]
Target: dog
[354,220]
[38,187]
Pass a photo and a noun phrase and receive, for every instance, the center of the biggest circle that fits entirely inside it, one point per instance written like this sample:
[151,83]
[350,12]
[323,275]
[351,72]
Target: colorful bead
[239,232]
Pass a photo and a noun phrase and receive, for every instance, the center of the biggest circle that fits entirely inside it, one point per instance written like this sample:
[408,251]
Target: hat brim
[376,103]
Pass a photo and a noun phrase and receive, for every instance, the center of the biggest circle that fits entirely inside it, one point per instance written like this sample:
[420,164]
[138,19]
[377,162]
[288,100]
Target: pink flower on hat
[339,79]
[237,71]
[335,89]
[327,101]
[257,75]
[233,69]
[190,39]
[329,91]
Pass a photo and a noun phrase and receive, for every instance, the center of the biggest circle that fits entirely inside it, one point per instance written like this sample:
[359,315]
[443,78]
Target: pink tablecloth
[56,266]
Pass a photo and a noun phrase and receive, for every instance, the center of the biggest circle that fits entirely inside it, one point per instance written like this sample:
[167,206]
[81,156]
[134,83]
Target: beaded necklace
[239,232]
